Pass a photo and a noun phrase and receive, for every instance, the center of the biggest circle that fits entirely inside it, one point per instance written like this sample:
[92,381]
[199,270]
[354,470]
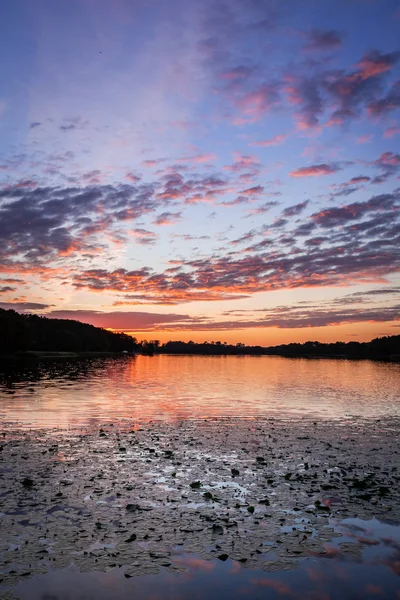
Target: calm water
[77,392]
[373,574]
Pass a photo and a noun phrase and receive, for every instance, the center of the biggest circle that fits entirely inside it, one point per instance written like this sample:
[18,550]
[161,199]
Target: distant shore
[56,355]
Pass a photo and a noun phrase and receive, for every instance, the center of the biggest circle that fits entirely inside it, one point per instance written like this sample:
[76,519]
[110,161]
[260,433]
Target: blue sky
[203,169]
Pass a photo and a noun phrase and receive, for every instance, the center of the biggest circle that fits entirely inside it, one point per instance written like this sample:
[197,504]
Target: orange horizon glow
[274,336]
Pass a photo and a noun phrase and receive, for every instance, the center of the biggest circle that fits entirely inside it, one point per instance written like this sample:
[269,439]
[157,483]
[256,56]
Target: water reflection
[372,573]
[75,392]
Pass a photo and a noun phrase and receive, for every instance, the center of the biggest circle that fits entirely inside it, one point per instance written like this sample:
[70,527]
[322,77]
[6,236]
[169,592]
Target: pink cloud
[243,162]
[275,141]
[185,125]
[253,191]
[293,93]
[199,158]
[28,183]
[365,139]
[153,162]
[119,319]
[260,210]
[132,177]
[391,131]
[254,105]
[249,195]
[314,170]
[374,63]
[388,158]
[143,236]
[167,218]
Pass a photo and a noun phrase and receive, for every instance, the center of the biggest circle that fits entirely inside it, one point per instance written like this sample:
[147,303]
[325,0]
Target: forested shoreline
[27,334]
[384,348]
[34,333]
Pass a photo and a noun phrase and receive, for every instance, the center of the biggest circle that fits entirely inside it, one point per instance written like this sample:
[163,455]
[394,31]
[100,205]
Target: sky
[203,169]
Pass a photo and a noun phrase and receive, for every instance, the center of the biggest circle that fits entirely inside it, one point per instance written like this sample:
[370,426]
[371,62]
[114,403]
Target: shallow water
[374,573]
[64,393]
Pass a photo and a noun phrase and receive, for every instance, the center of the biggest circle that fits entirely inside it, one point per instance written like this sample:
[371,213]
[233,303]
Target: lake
[198,477]
[65,393]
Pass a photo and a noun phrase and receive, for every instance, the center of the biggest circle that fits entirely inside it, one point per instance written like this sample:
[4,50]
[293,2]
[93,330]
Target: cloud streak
[315,170]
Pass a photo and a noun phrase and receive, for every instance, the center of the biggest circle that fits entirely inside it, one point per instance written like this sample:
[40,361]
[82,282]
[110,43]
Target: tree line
[27,332]
[383,348]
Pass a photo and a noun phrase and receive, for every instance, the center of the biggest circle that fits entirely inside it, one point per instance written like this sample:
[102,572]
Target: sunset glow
[203,170]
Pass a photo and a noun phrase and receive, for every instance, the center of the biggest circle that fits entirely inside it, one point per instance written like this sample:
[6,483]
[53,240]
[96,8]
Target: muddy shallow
[266,497]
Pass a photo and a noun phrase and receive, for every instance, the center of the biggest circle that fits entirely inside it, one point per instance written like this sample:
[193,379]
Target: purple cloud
[320,40]
[24,307]
[295,209]
[337,216]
